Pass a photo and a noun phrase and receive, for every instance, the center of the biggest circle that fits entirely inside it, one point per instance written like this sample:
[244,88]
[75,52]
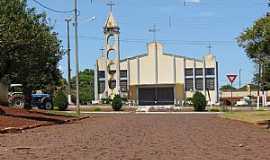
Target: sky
[184,28]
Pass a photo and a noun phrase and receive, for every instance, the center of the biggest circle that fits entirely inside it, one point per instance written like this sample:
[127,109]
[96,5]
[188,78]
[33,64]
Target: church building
[153,78]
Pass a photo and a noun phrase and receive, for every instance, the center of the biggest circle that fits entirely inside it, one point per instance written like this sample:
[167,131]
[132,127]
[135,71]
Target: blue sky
[183,29]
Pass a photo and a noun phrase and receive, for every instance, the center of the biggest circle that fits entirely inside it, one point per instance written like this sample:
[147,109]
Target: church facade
[153,78]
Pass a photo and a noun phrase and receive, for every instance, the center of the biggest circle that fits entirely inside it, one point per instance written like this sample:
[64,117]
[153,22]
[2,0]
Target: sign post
[231,78]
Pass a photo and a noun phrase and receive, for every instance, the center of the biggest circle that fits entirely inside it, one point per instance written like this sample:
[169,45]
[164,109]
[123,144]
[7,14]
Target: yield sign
[231,77]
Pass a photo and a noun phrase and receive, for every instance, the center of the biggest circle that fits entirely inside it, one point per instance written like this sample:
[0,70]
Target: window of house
[189,72]
[123,85]
[188,84]
[198,71]
[210,71]
[199,84]
[101,74]
[123,74]
[210,83]
[101,86]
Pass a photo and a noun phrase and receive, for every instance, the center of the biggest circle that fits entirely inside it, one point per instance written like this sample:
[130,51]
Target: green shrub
[199,101]
[117,103]
[214,110]
[188,101]
[106,100]
[61,101]
[124,99]
[97,109]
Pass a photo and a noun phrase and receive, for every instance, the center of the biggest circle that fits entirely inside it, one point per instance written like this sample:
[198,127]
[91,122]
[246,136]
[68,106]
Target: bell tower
[112,54]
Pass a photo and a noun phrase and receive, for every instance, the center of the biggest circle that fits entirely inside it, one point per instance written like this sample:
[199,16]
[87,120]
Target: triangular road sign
[231,77]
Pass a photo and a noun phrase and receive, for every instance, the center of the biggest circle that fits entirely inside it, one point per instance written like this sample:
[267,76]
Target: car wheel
[18,103]
[48,105]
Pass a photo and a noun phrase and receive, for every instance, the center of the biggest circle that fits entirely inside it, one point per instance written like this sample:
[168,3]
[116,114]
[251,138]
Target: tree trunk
[27,92]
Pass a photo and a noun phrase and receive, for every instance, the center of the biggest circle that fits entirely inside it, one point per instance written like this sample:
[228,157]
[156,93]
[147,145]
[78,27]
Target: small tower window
[111,55]
[111,40]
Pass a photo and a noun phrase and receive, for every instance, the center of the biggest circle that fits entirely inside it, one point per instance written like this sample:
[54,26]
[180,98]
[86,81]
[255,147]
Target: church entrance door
[156,96]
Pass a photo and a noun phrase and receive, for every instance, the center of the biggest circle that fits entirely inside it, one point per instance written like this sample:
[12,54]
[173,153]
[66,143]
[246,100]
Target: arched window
[111,40]
[111,55]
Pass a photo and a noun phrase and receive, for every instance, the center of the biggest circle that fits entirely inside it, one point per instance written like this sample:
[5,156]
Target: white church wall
[133,72]
[165,69]
[189,63]
[147,69]
[180,70]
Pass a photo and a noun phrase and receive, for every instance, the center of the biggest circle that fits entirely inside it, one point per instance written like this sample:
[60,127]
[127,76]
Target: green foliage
[214,110]
[188,101]
[124,99]
[227,87]
[199,101]
[97,109]
[117,103]
[29,49]
[255,41]
[61,101]
[86,81]
[106,100]
[265,78]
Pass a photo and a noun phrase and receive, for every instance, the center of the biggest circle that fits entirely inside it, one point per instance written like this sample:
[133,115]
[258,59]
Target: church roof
[110,22]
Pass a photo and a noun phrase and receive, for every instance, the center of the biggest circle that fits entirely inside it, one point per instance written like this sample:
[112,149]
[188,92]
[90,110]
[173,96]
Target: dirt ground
[12,117]
[140,137]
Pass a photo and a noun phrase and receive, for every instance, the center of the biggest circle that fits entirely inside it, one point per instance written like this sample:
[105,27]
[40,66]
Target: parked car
[16,98]
[244,102]
[241,103]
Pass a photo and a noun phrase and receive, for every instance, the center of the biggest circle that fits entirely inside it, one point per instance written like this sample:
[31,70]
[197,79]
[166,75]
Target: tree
[255,40]
[227,87]
[29,49]
[86,82]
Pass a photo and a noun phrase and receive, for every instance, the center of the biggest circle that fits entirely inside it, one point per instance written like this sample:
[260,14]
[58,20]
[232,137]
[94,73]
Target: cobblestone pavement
[138,137]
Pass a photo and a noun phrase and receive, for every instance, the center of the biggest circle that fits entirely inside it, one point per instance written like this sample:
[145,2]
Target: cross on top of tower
[111,4]
[154,30]
[209,47]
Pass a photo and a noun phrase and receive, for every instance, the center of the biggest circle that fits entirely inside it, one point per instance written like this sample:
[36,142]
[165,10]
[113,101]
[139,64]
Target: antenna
[154,30]
[170,21]
[111,4]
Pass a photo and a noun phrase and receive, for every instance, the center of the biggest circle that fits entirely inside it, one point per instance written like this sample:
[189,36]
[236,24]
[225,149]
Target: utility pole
[240,70]
[77,56]
[259,86]
[68,60]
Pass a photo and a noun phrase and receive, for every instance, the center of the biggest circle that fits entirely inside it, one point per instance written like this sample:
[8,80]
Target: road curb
[206,113]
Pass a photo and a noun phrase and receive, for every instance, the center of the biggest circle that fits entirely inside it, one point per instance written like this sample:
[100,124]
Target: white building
[153,78]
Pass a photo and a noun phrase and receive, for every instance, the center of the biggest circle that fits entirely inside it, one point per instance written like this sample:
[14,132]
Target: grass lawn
[63,113]
[251,117]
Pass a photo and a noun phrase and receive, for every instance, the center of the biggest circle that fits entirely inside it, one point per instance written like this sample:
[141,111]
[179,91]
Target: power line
[51,9]
[184,42]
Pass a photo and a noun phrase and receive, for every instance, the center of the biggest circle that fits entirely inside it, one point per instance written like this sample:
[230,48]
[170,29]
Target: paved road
[138,137]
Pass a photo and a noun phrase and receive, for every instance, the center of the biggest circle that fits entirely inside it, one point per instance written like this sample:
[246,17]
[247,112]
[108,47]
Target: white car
[241,103]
